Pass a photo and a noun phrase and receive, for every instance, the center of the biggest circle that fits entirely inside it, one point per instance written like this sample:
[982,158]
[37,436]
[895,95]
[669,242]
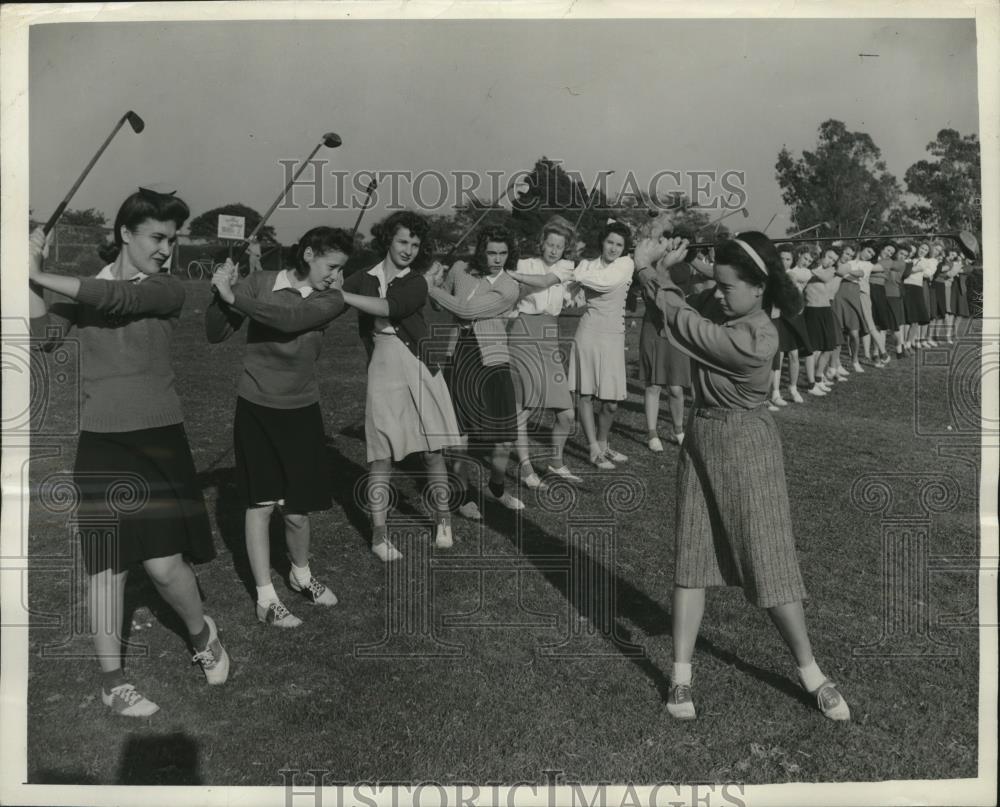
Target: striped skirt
[733,521]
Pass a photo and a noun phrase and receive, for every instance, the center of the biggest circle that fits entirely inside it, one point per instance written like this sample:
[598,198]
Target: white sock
[681,673]
[301,574]
[266,594]
[811,675]
[596,448]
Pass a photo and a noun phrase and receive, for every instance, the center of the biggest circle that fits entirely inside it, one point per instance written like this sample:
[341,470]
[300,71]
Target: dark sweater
[284,338]
[406,296]
[125,330]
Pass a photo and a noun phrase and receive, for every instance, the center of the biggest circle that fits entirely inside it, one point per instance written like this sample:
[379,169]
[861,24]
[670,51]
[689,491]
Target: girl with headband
[733,520]
[132,434]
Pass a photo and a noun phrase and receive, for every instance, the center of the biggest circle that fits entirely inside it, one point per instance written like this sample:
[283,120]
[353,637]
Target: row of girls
[479,402]
[857,297]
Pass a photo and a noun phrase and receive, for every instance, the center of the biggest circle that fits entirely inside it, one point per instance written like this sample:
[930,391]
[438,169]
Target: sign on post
[231,227]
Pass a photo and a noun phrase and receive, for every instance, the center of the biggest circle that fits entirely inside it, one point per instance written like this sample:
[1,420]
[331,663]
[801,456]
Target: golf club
[590,198]
[371,189]
[137,125]
[491,206]
[742,210]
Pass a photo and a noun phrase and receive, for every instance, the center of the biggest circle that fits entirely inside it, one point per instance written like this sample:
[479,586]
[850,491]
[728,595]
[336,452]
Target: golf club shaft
[476,223]
[93,161]
[371,189]
[281,195]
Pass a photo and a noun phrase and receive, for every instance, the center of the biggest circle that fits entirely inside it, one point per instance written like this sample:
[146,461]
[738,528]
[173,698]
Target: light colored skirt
[538,362]
[407,409]
[597,364]
[733,522]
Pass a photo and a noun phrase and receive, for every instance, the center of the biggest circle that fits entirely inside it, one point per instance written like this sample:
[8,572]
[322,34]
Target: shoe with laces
[830,702]
[444,538]
[680,703]
[858,368]
[214,659]
[317,593]
[126,701]
[777,400]
[274,613]
[615,456]
[842,374]
[533,481]
[772,408]
[563,472]
[600,460]
[795,395]
[677,438]
[826,386]
[470,510]
[505,499]
[655,445]
[817,390]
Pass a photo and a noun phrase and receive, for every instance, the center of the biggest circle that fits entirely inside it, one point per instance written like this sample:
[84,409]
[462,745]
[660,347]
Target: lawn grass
[535,670]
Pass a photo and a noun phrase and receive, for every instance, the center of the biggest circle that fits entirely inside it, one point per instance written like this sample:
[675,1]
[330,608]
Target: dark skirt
[913,305]
[838,320]
[819,324]
[281,457]
[939,301]
[485,403]
[139,499]
[896,307]
[882,313]
[793,335]
[661,363]
[733,521]
[959,300]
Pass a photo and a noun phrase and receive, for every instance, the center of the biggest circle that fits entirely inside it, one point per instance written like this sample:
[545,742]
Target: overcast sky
[223,102]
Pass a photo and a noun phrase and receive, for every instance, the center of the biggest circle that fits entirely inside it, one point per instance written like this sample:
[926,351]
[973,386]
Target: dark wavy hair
[417,225]
[143,205]
[619,227]
[779,289]
[495,235]
[321,240]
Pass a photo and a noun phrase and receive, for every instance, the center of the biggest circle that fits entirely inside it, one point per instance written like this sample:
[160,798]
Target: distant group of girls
[719,329]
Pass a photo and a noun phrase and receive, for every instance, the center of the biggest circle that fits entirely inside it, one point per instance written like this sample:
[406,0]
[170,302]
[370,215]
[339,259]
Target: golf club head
[745,212]
[331,140]
[137,123]
[968,244]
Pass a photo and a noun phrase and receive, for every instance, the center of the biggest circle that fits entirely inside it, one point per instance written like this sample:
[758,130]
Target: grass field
[537,643]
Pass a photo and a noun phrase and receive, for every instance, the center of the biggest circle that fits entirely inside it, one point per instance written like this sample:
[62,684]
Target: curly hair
[321,240]
[495,235]
[557,225]
[417,226]
[620,228]
[779,289]
[144,205]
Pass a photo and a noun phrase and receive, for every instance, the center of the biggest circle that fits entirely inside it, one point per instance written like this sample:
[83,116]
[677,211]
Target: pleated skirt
[139,498]
[597,364]
[914,305]
[850,307]
[959,300]
[882,313]
[483,394]
[538,362]
[733,523]
[407,408]
[793,334]
[939,301]
[819,324]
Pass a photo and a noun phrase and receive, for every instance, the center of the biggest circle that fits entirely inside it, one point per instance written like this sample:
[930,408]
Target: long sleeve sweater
[124,329]
[284,338]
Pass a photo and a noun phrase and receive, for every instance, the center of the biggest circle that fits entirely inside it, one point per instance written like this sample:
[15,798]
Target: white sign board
[231,226]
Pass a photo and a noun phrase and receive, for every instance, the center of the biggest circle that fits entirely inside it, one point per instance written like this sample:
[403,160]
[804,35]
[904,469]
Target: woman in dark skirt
[134,471]
[793,338]
[914,304]
[894,269]
[733,517]
[278,428]
[481,296]
[882,314]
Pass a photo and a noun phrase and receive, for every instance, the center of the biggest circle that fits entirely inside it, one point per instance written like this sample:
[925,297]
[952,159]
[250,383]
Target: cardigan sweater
[124,329]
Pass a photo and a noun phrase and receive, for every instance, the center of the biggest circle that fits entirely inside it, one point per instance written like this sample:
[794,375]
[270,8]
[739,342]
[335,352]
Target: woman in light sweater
[281,459]
[132,446]
[597,358]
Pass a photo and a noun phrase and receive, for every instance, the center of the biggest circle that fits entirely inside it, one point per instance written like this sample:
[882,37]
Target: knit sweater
[124,330]
[284,338]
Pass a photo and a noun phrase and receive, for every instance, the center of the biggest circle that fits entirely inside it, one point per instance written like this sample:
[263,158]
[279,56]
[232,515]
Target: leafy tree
[839,182]
[90,217]
[553,190]
[207,224]
[949,185]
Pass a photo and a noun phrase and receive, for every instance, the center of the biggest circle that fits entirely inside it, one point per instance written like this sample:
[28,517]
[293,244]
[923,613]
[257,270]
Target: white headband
[749,250]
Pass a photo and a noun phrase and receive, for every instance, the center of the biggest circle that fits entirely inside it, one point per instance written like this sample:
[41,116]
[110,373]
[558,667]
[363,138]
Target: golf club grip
[55,216]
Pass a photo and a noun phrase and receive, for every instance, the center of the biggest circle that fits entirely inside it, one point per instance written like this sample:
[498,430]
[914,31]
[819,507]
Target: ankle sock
[266,594]
[113,678]
[380,534]
[301,574]
[681,673]
[811,676]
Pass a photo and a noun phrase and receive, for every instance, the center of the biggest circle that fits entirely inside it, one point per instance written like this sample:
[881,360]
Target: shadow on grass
[163,759]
